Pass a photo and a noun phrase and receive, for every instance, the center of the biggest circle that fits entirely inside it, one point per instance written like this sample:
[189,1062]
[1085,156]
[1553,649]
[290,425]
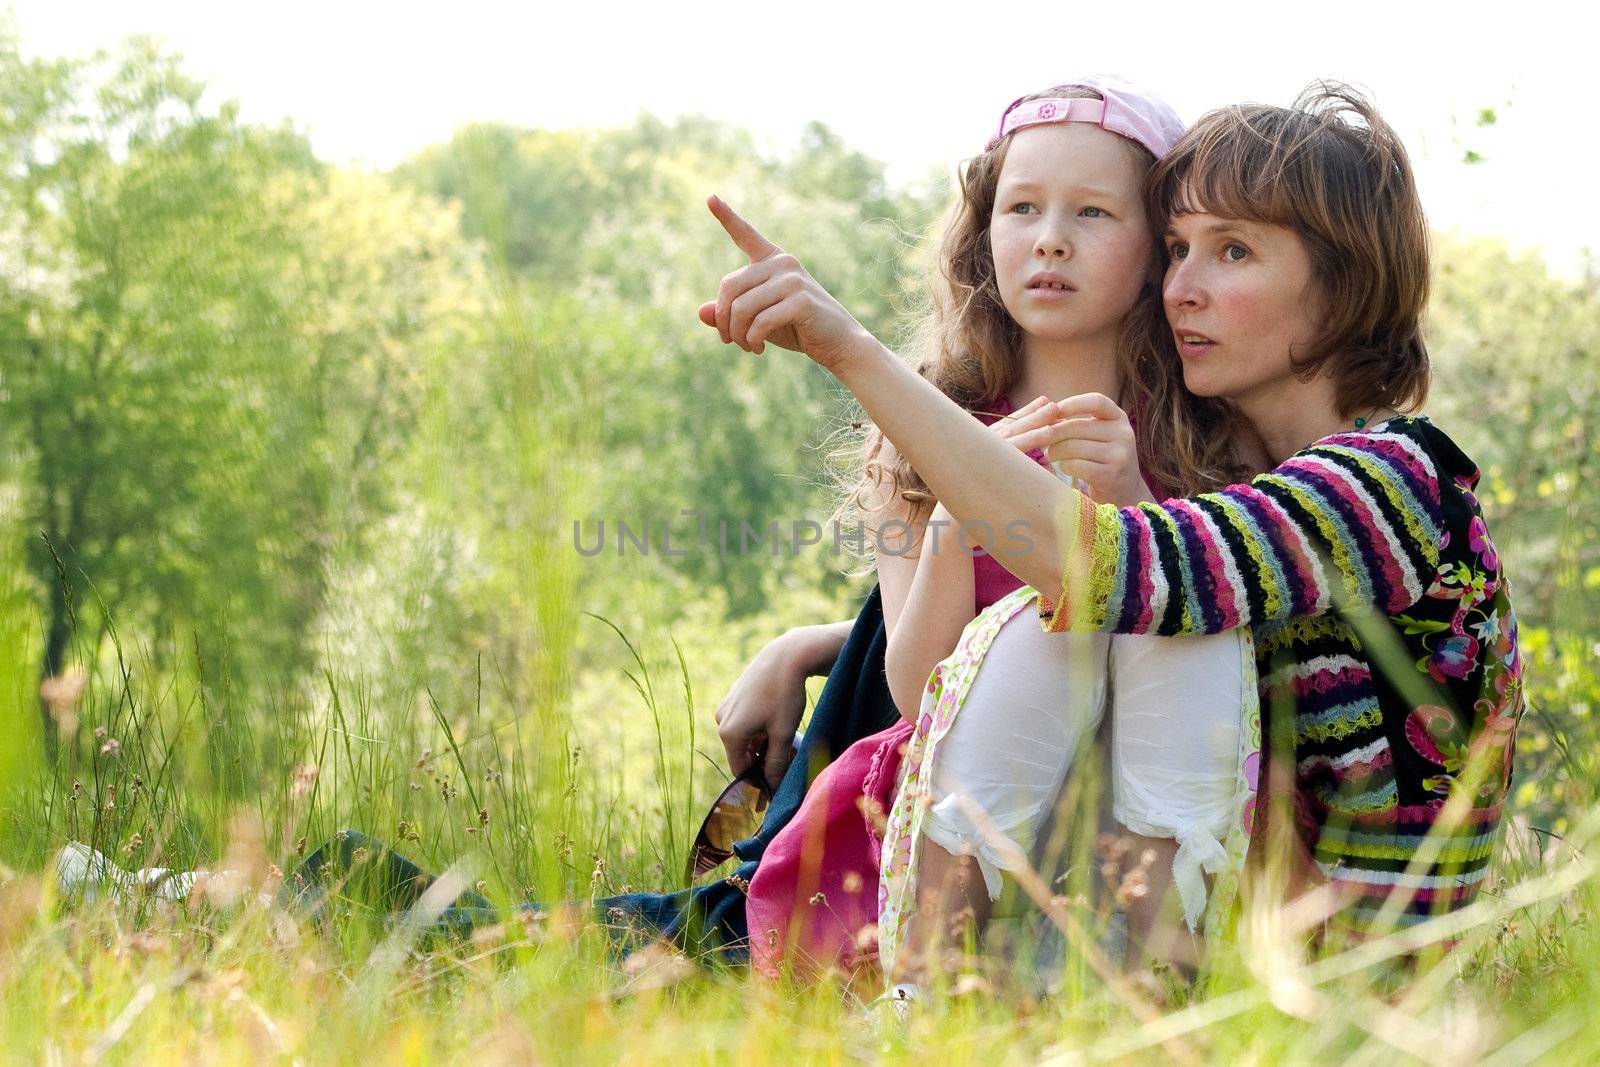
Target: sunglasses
[735,815]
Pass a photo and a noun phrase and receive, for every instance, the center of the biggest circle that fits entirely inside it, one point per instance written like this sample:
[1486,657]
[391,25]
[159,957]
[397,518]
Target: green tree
[216,347]
[615,221]
[1514,350]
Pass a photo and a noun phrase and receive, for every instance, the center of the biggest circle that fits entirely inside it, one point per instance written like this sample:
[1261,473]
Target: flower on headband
[1047,111]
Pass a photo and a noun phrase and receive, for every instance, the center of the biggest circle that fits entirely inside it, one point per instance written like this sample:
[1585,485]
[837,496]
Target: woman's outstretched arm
[1353,517]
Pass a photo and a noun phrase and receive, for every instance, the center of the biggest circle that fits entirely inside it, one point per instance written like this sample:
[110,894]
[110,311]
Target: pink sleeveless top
[990,581]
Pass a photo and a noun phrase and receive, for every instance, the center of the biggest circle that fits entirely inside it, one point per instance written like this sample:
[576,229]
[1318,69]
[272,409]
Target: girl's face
[1241,303]
[1068,234]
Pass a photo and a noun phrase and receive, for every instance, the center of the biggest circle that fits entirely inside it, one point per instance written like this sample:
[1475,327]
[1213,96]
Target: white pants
[1176,706]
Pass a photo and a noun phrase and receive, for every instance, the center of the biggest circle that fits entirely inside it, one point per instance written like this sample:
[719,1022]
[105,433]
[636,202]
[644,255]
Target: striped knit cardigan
[1385,640]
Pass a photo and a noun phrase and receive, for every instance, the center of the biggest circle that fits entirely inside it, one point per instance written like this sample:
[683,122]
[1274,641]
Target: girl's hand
[1034,426]
[1095,445]
[775,299]
[758,716]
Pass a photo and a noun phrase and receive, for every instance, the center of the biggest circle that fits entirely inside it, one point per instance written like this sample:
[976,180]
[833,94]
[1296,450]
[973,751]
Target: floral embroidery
[1455,657]
[1478,540]
[1482,618]
[948,687]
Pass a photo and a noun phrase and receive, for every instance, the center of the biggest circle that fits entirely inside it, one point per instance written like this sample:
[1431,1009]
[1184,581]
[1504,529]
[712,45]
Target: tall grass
[229,978]
[506,782]
[153,769]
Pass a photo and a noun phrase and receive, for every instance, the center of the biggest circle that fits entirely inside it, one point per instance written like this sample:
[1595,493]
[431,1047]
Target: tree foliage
[215,347]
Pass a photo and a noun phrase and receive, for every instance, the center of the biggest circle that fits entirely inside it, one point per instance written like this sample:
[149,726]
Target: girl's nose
[1053,243]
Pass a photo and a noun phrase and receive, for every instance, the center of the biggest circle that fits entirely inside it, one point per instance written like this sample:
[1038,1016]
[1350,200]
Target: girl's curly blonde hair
[967,344]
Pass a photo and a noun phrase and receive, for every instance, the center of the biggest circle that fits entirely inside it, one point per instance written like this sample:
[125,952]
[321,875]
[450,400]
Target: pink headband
[1123,109]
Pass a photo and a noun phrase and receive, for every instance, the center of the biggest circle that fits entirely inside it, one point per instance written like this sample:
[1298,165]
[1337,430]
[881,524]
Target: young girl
[1386,646]
[1044,289]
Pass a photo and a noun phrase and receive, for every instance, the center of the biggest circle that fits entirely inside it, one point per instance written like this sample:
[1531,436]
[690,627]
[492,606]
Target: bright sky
[919,85]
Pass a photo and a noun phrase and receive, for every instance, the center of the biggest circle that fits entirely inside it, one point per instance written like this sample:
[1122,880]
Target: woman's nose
[1182,287]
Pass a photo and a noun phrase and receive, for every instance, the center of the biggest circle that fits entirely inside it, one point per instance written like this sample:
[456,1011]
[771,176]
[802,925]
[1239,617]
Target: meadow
[294,464]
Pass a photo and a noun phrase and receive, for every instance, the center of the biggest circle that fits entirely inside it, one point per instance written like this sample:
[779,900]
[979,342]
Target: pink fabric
[990,581]
[1123,108]
[814,898]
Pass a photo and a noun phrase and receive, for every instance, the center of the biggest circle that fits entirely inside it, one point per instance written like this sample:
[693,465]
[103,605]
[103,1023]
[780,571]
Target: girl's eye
[1023,208]
[1095,213]
[1177,250]
[1235,252]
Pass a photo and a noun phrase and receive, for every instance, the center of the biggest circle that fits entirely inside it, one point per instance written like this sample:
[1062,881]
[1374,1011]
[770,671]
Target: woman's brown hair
[1330,169]
[967,344]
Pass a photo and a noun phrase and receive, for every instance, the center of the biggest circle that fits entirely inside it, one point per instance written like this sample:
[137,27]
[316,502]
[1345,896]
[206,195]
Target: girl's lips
[1048,294]
[1191,345]
[1049,287]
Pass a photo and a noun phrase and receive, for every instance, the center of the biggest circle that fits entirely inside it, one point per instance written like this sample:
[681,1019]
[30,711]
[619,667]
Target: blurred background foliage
[293,454]
[281,435]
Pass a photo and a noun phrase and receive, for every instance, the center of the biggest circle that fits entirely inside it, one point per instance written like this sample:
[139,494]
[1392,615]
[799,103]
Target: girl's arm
[939,604]
[927,595]
[759,715]
[898,532]
[817,646]
[941,599]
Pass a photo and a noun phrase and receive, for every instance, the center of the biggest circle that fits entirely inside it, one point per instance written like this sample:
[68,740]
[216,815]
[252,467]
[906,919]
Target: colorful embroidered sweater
[1385,640]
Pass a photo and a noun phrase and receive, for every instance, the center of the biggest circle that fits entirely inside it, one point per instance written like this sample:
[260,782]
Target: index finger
[746,236]
[1092,405]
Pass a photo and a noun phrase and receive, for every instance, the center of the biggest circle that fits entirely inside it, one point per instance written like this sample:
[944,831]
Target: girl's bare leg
[953,907]
[1156,931]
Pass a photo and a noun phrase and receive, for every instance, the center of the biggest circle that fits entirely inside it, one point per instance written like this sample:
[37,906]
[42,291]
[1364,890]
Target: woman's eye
[1177,250]
[1023,208]
[1094,213]
[1235,252]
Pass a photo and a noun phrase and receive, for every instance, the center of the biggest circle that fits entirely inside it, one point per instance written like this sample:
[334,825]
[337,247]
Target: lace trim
[1103,566]
[1279,636]
[1339,729]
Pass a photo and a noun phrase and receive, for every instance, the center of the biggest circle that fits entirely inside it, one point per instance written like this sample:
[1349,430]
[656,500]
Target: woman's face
[1241,302]
[1068,234]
